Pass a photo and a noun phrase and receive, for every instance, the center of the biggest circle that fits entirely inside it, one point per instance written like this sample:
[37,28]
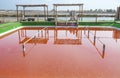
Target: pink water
[61,53]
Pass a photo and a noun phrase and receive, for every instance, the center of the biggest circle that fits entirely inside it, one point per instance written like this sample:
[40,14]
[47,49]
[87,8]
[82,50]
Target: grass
[9,26]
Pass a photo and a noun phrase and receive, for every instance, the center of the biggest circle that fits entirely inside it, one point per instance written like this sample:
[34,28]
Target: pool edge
[7,32]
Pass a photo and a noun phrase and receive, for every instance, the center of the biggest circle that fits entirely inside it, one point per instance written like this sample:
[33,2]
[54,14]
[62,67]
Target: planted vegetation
[114,24]
[9,26]
[42,23]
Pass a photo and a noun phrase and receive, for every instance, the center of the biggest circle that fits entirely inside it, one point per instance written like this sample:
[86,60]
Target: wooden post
[25,33]
[103,48]
[118,13]
[23,46]
[44,14]
[23,12]
[56,15]
[42,33]
[88,33]
[47,12]
[54,10]
[38,33]
[55,34]
[94,39]
[79,13]
[17,12]
[96,18]
[47,33]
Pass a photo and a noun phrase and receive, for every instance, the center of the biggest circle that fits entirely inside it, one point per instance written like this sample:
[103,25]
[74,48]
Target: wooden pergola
[57,5]
[35,5]
[117,16]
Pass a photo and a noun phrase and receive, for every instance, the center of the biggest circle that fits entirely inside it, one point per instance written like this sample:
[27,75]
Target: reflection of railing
[36,38]
[93,41]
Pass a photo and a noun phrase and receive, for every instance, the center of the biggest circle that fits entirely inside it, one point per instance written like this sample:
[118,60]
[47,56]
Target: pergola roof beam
[36,5]
[67,4]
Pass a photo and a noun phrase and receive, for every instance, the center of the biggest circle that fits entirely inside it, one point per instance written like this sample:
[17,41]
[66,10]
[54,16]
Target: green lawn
[8,26]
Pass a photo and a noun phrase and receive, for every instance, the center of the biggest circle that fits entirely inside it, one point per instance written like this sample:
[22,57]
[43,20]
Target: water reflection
[41,37]
[68,60]
[65,36]
[28,42]
[70,36]
[93,39]
[116,35]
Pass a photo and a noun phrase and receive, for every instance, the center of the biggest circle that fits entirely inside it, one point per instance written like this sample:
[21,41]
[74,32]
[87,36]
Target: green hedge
[8,26]
[47,23]
[43,23]
[114,24]
[11,25]
[96,23]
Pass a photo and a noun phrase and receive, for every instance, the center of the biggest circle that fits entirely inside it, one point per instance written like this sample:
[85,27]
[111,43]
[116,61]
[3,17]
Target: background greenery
[11,25]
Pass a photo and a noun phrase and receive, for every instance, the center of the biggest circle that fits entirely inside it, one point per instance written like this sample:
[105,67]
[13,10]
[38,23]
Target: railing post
[84,30]
[41,33]
[88,33]
[103,48]
[94,40]
[23,46]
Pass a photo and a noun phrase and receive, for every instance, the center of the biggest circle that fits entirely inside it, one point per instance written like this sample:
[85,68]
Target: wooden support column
[47,12]
[79,13]
[44,14]
[23,12]
[55,12]
[17,13]
[119,13]
[56,15]
[82,13]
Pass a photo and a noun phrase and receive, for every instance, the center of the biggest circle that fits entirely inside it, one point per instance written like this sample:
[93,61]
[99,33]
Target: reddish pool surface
[61,53]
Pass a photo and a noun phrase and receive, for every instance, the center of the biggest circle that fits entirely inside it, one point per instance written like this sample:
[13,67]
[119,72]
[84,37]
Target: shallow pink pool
[60,53]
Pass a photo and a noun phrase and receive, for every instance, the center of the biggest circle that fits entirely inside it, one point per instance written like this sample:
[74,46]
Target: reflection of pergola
[79,5]
[40,38]
[39,5]
[73,41]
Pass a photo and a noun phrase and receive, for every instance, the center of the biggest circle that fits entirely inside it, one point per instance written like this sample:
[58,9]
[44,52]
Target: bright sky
[88,4]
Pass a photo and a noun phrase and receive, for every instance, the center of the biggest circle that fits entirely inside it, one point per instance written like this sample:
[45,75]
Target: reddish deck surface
[61,53]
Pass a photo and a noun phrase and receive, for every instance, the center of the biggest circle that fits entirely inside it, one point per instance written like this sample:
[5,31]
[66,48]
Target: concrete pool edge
[7,32]
[76,27]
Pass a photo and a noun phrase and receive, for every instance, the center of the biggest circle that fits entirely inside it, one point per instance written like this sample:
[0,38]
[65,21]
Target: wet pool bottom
[60,53]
